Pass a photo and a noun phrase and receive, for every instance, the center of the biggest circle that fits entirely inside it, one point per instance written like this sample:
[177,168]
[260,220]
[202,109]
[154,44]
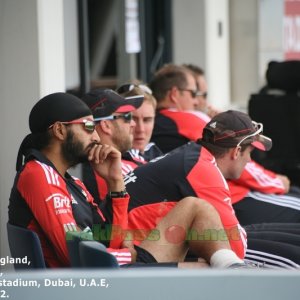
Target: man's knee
[198,204]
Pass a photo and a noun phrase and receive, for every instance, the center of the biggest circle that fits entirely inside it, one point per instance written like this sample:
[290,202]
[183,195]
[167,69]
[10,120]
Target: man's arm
[46,194]
[257,178]
[106,161]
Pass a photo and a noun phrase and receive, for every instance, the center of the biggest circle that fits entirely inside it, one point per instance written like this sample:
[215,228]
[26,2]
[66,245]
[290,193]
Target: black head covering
[54,107]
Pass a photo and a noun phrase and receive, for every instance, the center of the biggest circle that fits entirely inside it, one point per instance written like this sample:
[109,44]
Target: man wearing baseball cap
[115,126]
[47,200]
[200,169]
[234,129]
[106,104]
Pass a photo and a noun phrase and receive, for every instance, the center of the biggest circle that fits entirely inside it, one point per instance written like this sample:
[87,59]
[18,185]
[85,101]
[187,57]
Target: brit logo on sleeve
[61,203]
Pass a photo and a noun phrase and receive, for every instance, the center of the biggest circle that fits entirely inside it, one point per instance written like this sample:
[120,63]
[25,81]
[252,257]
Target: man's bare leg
[189,214]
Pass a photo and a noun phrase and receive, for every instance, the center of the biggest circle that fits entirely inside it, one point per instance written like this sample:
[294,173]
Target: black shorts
[146,259]
[143,256]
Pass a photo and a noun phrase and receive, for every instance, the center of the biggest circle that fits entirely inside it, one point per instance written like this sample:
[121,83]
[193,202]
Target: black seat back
[25,243]
[280,115]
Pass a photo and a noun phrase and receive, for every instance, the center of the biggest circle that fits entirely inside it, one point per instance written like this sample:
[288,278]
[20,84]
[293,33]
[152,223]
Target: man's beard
[122,141]
[73,151]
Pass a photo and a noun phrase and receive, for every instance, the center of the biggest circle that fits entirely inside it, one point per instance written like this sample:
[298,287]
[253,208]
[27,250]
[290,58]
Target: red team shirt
[174,128]
[187,171]
[130,160]
[41,201]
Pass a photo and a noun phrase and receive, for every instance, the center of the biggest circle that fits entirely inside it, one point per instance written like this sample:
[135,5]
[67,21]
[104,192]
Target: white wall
[31,64]
[196,40]
[235,62]
[270,34]
[217,52]
[189,32]
[51,46]
[244,50]
[19,89]
[71,44]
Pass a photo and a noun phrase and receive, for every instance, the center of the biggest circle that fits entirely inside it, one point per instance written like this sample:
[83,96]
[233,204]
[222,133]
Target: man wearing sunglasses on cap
[259,195]
[199,169]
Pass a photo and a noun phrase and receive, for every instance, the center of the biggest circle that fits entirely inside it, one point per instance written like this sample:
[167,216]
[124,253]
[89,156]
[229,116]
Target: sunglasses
[258,129]
[202,94]
[127,117]
[129,87]
[194,93]
[89,125]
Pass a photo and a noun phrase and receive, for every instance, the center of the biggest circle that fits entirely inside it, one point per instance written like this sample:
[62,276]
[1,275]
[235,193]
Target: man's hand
[106,161]
[129,245]
[285,180]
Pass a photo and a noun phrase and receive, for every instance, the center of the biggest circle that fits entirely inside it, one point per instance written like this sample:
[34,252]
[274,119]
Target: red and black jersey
[174,128]
[45,202]
[130,160]
[255,178]
[187,171]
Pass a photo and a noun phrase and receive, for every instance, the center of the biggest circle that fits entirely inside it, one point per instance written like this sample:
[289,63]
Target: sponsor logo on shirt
[130,177]
[61,203]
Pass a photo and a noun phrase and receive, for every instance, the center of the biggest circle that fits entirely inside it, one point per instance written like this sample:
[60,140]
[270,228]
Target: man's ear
[59,130]
[105,126]
[235,152]
[173,94]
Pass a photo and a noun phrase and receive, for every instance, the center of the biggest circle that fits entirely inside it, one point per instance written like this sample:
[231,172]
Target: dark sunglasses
[89,125]
[195,93]
[130,86]
[202,94]
[127,117]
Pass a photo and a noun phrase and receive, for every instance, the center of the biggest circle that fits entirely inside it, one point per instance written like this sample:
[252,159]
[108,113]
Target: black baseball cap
[105,102]
[233,128]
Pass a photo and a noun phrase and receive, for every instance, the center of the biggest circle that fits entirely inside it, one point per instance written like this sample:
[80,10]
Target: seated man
[115,127]
[118,138]
[46,199]
[199,170]
[144,120]
[259,195]
[176,120]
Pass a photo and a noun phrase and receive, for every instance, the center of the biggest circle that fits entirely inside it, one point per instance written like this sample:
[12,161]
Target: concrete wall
[32,65]
[19,89]
[270,35]
[244,50]
[158,284]
[201,37]
[189,32]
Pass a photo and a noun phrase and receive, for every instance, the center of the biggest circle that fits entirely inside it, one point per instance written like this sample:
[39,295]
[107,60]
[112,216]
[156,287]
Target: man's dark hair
[196,69]
[217,151]
[166,77]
